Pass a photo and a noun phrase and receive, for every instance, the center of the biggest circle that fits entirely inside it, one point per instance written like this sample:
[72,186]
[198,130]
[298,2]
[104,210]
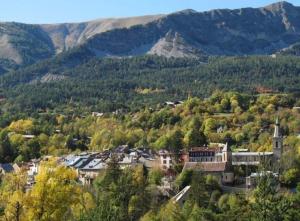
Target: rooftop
[96,164]
[252,153]
[207,166]
[7,167]
[182,193]
[205,149]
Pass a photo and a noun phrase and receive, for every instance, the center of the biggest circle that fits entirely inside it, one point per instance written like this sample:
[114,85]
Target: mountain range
[246,31]
[23,44]
[129,62]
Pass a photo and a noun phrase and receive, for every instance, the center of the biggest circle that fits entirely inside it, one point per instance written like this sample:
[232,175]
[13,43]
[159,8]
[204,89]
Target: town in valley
[139,110]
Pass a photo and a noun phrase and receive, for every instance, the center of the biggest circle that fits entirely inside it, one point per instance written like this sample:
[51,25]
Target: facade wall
[251,158]
[166,161]
[227,177]
[203,159]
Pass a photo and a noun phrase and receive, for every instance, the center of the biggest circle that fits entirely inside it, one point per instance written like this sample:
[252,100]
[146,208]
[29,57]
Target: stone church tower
[277,142]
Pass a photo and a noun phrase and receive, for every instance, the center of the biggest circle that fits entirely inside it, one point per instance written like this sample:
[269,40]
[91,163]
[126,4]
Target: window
[170,161]
[276,144]
[164,156]
[164,162]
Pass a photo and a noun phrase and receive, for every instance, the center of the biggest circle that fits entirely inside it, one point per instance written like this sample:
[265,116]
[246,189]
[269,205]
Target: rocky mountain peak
[280,6]
[185,12]
[186,33]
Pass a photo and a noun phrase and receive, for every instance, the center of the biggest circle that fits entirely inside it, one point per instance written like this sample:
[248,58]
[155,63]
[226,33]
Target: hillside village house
[89,172]
[30,167]
[220,161]
[216,161]
[166,159]
[6,168]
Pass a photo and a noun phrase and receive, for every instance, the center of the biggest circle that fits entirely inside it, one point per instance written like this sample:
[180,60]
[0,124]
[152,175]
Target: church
[220,160]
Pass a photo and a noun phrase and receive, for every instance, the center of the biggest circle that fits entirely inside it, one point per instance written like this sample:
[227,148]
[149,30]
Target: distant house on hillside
[173,104]
[97,114]
[296,109]
[6,168]
[220,129]
[89,172]
[166,159]
[28,136]
[212,161]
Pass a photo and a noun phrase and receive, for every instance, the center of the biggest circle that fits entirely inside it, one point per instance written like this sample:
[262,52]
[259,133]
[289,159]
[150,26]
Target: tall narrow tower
[226,154]
[277,141]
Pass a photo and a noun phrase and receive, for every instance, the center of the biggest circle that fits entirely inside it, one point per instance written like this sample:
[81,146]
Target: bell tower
[226,154]
[277,141]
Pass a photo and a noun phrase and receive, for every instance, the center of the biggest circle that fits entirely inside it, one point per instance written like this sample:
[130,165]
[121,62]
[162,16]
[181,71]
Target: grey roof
[127,160]
[239,163]
[72,160]
[96,164]
[148,162]
[260,174]
[81,163]
[76,160]
[182,193]
[7,167]
[252,153]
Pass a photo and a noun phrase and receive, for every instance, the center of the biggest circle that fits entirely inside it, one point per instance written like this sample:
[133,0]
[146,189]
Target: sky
[58,11]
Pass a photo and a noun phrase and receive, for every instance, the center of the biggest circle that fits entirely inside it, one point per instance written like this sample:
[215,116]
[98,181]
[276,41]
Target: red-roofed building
[215,161]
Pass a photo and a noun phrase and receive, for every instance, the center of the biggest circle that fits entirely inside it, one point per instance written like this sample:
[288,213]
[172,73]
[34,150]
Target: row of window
[165,161]
[202,159]
[199,154]
[246,158]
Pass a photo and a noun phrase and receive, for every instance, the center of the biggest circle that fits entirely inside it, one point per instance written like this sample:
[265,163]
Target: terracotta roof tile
[207,166]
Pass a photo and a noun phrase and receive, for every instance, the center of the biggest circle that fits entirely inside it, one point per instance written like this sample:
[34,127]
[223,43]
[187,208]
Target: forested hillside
[112,83]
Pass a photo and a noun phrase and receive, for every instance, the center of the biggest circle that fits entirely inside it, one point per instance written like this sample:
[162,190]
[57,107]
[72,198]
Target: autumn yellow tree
[13,196]
[54,194]
[170,212]
[21,126]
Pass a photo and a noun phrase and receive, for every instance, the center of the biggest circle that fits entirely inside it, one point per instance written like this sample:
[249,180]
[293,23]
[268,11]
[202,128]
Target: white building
[166,161]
